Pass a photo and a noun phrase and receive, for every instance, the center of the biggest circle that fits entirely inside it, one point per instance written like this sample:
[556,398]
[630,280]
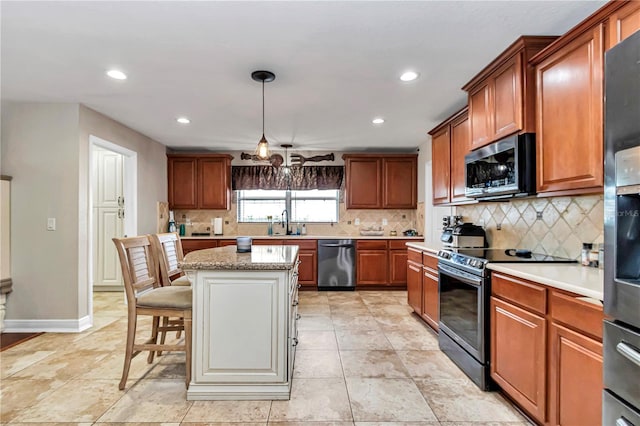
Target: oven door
[463,309]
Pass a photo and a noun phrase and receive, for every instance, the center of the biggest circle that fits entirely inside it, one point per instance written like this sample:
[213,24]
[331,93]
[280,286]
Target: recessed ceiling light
[409,76]
[118,75]
[183,120]
[377,120]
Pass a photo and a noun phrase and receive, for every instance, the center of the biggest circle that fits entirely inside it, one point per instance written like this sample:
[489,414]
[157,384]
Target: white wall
[45,148]
[432,214]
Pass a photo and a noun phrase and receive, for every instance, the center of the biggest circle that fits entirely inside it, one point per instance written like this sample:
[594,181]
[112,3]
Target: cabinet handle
[299,285]
[298,316]
[295,303]
[629,352]
[295,274]
[623,422]
[295,341]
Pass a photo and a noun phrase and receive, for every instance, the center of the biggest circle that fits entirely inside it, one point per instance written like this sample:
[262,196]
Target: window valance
[300,178]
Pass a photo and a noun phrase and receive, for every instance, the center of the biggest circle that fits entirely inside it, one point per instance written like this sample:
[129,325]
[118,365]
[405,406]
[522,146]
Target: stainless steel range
[465,287]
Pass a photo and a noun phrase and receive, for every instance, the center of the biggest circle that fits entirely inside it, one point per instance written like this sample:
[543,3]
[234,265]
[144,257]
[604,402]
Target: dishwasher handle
[337,245]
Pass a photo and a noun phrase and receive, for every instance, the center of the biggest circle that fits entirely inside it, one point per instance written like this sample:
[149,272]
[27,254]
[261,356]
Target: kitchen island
[244,322]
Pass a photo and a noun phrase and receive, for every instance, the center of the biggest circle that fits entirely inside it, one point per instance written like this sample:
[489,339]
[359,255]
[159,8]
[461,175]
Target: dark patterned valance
[268,177]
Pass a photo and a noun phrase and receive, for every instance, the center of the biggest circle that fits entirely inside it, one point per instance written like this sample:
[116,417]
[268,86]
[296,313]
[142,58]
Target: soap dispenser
[172,222]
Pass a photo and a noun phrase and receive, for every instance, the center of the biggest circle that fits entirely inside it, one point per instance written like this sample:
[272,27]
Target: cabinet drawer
[430,261]
[414,255]
[398,244]
[521,292]
[371,244]
[303,244]
[577,314]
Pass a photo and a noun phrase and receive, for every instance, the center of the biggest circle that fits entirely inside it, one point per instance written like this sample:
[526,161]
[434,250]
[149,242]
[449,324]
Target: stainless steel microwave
[503,169]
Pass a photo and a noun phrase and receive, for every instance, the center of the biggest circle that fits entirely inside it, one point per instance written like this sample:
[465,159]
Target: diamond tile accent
[566,223]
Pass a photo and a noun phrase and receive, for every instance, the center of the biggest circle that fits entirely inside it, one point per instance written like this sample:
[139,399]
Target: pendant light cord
[262,108]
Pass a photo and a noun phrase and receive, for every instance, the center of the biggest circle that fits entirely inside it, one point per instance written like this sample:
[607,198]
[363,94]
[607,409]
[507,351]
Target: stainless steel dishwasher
[336,265]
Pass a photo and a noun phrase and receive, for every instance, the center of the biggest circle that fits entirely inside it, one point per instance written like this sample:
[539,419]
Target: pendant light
[262,150]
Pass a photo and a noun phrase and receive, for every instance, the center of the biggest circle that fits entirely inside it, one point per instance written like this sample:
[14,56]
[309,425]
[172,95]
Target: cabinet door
[182,182]
[507,99]
[363,183]
[399,177]
[372,267]
[569,116]
[460,146]
[307,270]
[398,267]
[213,181]
[623,22]
[518,351]
[414,286]
[430,298]
[441,163]
[575,378]
[480,115]
[192,245]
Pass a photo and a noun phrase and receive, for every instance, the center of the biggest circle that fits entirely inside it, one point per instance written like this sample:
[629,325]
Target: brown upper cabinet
[622,23]
[569,100]
[381,181]
[450,142]
[502,95]
[199,181]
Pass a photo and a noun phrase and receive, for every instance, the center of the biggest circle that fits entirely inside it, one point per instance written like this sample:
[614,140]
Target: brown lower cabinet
[546,351]
[192,245]
[422,286]
[381,263]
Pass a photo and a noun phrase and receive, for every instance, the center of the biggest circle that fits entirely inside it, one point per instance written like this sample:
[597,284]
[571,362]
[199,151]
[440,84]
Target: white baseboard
[50,326]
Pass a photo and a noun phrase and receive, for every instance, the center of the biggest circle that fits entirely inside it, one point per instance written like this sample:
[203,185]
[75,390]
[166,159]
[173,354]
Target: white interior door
[108,218]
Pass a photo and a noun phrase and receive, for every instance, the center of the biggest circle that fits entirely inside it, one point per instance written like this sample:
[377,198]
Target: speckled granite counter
[268,258]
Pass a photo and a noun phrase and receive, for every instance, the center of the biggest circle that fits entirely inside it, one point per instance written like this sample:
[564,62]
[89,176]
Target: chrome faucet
[284,221]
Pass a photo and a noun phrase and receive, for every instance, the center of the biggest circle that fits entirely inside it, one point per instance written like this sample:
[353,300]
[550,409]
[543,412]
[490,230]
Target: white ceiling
[336,63]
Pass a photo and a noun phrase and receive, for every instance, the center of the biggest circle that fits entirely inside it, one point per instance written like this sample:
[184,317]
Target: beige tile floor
[363,359]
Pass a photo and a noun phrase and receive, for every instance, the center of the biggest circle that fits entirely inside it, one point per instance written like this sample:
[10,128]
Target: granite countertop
[261,258]
[582,280]
[305,237]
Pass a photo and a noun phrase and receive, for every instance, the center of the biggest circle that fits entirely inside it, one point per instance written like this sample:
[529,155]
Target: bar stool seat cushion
[166,297]
[181,281]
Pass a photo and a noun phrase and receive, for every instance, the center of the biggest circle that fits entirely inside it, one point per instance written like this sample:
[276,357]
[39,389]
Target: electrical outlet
[357,221]
[538,215]
[384,222]
[498,226]
[404,216]
[348,222]
[51,224]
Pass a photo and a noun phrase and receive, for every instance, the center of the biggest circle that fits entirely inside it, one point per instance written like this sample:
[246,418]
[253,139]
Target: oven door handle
[466,277]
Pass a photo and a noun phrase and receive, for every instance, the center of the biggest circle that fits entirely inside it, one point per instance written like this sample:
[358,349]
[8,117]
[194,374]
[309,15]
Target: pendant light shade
[262,150]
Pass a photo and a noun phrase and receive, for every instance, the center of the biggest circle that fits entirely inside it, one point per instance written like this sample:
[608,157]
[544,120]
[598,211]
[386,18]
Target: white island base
[244,324]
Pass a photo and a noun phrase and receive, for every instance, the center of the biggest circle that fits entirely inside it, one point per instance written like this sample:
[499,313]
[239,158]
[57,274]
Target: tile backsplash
[556,226]
[200,221]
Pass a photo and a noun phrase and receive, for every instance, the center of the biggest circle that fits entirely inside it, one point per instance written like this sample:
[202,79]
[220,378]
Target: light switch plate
[384,222]
[357,221]
[51,224]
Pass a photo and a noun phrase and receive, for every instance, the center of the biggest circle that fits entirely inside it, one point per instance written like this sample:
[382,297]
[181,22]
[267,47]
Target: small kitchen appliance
[463,235]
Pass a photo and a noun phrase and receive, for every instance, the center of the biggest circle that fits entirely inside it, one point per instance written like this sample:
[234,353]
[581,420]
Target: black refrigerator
[621,346]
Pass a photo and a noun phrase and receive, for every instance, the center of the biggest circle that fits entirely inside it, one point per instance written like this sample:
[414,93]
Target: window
[303,206]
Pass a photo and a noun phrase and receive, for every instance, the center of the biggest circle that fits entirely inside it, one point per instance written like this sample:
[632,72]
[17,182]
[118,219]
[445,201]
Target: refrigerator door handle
[629,352]
[623,422]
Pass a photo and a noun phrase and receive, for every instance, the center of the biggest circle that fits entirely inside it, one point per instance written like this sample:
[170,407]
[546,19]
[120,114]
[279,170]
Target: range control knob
[444,254]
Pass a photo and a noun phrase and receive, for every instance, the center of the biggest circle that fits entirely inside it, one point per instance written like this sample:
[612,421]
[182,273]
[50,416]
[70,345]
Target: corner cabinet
[199,181]
[502,95]
[450,142]
[546,351]
[381,181]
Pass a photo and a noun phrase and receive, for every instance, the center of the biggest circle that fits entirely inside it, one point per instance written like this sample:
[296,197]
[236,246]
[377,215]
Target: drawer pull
[299,285]
[294,303]
[298,316]
[295,341]
[623,422]
[629,352]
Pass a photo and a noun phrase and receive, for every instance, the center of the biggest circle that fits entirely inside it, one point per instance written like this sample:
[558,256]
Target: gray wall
[45,147]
